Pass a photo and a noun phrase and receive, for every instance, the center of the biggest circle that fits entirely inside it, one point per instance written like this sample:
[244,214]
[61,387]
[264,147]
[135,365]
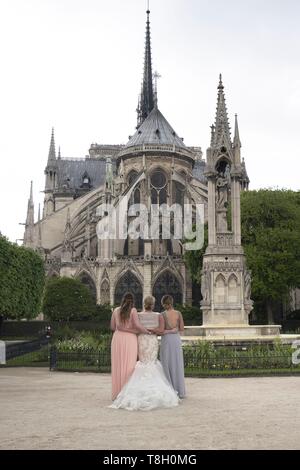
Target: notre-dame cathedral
[65,233]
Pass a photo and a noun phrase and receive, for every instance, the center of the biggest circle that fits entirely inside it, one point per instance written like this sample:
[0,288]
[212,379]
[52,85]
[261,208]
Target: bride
[148,387]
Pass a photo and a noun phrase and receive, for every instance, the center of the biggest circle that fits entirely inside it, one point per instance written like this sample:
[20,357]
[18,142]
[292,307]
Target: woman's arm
[181,323]
[161,327]
[127,330]
[136,322]
[113,325]
[174,330]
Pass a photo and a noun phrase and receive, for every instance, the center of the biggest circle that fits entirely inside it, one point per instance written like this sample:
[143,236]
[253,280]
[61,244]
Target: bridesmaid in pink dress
[124,347]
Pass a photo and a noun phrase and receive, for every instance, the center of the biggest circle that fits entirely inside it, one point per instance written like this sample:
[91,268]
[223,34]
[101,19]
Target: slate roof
[71,172]
[155,130]
[75,169]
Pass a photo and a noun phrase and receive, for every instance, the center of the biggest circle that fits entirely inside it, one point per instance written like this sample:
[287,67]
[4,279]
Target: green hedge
[33,329]
[22,279]
[191,315]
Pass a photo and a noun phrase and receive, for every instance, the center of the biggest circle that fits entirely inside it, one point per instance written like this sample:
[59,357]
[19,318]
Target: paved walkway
[43,410]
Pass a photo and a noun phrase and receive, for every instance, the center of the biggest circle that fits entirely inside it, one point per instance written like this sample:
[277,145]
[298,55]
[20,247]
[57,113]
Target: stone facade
[67,238]
[167,171]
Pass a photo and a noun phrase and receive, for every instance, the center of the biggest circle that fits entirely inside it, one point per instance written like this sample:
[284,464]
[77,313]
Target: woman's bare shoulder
[133,311]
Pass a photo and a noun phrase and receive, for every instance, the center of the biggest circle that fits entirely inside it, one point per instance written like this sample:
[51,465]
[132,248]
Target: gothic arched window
[129,283]
[178,193]
[85,279]
[132,176]
[136,195]
[158,182]
[167,283]
[233,291]
[220,290]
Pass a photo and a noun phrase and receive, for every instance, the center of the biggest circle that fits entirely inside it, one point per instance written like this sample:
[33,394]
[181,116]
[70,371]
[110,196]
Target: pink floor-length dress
[124,349]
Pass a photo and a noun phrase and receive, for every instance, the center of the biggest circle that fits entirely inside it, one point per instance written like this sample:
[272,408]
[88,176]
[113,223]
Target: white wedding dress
[148,387]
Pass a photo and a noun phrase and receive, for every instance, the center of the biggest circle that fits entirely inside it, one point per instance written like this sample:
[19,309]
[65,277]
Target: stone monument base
[232,331]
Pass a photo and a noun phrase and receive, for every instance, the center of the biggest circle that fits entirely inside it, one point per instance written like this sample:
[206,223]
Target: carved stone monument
[226,281]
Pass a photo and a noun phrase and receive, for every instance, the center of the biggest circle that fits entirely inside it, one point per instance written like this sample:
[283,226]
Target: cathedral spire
[52,152]
[146,102]
[236,140]
[31,193]
[29,225]
[30,208]
[222,129]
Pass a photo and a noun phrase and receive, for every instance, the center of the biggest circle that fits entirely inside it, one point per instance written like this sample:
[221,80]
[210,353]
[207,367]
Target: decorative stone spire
[51,176]
[29,225]
[52,152]
[30,209]
[212,135]
[59,154]
[245,178]
[236,140]
[146,101]
[222,129]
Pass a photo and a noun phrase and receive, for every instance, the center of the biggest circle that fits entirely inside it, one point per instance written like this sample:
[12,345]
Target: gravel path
[55,410]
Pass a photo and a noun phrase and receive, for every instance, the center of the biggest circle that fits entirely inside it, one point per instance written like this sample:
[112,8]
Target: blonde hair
[167,300]
[149,302]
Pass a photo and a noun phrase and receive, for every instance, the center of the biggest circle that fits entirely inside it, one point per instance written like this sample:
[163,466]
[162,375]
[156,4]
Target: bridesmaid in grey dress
[171,355]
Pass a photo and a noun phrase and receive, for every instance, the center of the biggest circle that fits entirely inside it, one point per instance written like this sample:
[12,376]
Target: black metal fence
[196,363]
[96,361]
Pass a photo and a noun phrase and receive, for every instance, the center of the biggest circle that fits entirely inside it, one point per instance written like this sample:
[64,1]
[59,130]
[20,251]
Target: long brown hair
[126,306]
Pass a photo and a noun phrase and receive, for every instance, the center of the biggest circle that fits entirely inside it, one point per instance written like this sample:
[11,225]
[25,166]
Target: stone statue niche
[223,193]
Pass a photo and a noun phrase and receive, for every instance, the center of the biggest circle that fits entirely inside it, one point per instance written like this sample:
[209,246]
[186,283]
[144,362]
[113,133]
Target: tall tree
[271,240]
[22,279]
[194,258]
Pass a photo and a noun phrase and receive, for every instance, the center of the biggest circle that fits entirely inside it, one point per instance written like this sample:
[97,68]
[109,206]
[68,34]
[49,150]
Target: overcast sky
[77,65]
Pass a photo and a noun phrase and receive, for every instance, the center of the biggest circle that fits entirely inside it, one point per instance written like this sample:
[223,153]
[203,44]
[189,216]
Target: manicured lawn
[33,359]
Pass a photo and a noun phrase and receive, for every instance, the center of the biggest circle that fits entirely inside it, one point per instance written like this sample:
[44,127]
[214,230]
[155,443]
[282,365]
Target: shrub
[68,299]
[64,332]
[84,342]
[103,312]
[190,314]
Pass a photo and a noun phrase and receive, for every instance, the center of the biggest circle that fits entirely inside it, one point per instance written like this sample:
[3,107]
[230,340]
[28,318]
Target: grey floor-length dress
[171,357]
